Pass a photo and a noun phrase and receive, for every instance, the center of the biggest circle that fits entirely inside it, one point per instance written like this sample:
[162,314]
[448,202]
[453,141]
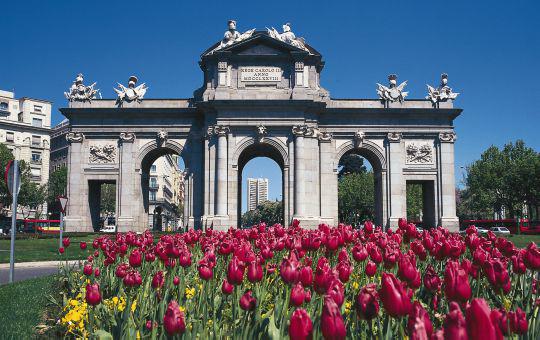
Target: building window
[37,122]
[152,196]
[20,117]
[153,168]
[153,182]
[36,172]
[4,106]
[36,157]
[36,140]
[38,108]
[10,137]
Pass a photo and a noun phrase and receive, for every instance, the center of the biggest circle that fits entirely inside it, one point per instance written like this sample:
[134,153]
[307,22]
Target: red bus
[525,226]
[41,226]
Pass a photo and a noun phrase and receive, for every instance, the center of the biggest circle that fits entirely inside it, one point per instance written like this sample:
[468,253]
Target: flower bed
[274,282]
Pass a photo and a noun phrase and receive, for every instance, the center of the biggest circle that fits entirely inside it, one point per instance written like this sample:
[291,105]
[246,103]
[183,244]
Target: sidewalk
[37,264]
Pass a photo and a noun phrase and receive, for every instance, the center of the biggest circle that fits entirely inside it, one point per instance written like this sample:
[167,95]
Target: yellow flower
[355,285]
[190,292]
[507,303]
[348,306]
[134,305]
[182,309]
[210,322]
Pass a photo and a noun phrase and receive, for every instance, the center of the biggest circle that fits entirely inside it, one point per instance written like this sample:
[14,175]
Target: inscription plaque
[260,74]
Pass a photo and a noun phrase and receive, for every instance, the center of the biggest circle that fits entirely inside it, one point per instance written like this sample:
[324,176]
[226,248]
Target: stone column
[299,170]
[327,181]
[221,170]
[396,181]
[74,220]
[187,198]
[125,185]
[447,191]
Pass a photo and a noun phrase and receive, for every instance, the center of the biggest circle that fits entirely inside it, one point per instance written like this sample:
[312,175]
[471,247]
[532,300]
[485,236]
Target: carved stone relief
[102,154]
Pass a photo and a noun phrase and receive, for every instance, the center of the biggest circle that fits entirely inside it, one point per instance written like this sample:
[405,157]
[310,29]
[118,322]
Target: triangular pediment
[260,43]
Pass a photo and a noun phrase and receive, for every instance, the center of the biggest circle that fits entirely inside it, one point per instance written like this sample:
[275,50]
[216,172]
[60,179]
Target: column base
[450,223]
[124,224]
[75,224]
[393,223]
[216,222]
[308,222]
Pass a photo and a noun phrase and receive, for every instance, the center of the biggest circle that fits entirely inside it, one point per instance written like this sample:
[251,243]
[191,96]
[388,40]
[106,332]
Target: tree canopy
[356,197]
[270,212]
[351,164]
[507,178]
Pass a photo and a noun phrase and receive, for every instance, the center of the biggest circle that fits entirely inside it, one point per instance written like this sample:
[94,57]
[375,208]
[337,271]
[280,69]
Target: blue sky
[490,49]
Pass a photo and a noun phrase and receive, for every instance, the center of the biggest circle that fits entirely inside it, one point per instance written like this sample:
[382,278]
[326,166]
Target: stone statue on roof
[288,37]
[232,36]
[79,92]
[441,93]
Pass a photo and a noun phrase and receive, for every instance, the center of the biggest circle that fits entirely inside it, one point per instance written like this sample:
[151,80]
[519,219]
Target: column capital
[75,137]
[394,137]
[447,137]
[303,131]
[324,136]
[127,137]
[217,130]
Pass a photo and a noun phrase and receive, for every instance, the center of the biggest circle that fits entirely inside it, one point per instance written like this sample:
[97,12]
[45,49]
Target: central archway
[268,148]
[375,156]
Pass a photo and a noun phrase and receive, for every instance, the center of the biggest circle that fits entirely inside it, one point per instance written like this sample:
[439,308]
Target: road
[28,270]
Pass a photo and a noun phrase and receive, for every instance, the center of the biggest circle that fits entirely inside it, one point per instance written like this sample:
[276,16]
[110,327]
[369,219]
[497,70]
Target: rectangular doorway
[102,203]
[421,203]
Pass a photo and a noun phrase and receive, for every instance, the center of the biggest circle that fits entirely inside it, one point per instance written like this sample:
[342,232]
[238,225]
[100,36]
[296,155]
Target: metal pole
[13,220]
[61,227]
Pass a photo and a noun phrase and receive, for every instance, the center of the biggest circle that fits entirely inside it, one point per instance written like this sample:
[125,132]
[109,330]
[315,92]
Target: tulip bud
[371,269]
[300,326]
[248,302]
[93,295]
[87,269]
[226,287]
[367,304]
[395,297]
[297,295]
[82,245]
[205,271]
[454,323]
[66,242]
[97,272]
[158,280]
[235,271]
[419,324]
[306,276]
[254,272]
[135,258]
[176,281]
[479,321]
[332,325]
[456,282]
[518,321]
[174,319]
[61,250]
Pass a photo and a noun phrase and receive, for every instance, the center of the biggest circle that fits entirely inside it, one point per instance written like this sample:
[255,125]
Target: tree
[270,212]
[506,179]
[356,197]
[57,187]
[414,201]
[108,199]
[351,164]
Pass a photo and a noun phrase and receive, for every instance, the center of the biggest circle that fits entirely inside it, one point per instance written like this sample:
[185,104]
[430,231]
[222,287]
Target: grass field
[44,249]
[22,307]
[522,241]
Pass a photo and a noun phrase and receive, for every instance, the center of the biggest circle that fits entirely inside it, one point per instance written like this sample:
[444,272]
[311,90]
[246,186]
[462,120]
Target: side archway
[147,155]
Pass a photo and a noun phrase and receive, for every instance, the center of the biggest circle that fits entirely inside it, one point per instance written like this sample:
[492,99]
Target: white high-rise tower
[257,192]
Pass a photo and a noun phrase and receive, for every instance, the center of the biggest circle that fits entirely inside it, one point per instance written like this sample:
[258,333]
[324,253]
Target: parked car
[481,230]
[108,229]
[500,231]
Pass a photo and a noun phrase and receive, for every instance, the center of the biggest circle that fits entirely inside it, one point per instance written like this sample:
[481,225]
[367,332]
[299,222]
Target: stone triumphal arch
[261,96]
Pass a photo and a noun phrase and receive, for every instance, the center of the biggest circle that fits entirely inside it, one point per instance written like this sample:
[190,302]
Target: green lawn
[23,305]
[44,249]
[522,241]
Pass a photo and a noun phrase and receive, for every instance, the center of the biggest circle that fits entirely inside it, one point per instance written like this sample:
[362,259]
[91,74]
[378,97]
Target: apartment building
[25,125]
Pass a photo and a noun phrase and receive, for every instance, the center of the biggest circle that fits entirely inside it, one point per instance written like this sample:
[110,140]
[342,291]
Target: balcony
[153,186]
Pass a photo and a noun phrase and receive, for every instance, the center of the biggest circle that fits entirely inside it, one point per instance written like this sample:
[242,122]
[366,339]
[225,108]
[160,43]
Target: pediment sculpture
[288,37]
[441,93]
[130,93]
[232,36]
[102,154]
[78,92]
[392,92]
